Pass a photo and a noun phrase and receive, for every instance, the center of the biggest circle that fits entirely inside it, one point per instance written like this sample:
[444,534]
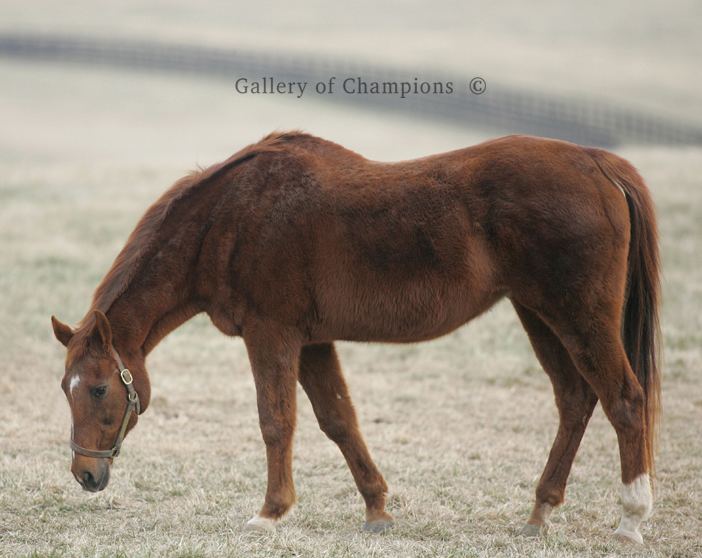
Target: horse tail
[640,323]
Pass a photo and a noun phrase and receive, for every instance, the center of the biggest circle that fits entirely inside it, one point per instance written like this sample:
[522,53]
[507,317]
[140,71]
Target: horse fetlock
[377,514]
[538,520]
[637,504]
[541,513]
[636,497]
[549,497]
[375,495]
[277,505]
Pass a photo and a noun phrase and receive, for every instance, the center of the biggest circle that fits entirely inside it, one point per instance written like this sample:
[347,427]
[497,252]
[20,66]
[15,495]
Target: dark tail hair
[640,325]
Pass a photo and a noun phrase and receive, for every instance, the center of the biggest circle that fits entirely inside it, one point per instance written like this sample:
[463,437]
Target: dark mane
[141,241]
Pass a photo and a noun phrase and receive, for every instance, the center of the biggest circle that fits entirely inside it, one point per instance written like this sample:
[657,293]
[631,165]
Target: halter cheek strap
[133,406]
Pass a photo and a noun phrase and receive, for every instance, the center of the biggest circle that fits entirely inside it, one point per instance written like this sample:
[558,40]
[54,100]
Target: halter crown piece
[133,406]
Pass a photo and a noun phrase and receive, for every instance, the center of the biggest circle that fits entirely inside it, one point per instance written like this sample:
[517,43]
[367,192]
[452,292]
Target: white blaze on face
[73,384]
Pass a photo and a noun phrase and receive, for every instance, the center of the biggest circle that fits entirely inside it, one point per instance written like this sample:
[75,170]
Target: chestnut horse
[295,242]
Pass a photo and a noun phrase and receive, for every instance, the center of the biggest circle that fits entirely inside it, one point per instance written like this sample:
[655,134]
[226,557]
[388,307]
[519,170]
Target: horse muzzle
[93,478]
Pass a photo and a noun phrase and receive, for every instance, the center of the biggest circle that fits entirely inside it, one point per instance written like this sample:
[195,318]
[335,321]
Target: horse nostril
[88,480]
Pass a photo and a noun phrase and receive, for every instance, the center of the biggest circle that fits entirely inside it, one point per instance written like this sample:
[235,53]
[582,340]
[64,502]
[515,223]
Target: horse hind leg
[593,341]
[321,377]
[575,400]
[604,364]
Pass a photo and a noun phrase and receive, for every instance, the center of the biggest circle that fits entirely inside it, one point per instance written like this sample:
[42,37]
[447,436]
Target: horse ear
[63,332]
[103,329]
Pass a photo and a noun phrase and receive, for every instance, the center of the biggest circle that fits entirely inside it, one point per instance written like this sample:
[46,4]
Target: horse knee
[276,434]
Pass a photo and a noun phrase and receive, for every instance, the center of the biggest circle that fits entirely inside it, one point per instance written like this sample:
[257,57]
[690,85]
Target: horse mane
[142,239]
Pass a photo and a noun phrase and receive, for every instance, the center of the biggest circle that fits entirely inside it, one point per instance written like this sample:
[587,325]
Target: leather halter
[133,405]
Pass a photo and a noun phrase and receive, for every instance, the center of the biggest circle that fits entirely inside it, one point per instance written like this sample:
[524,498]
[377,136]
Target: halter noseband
[133,405]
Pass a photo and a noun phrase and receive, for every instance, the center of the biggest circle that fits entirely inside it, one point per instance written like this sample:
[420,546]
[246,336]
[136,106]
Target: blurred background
[144,81]
[103,105]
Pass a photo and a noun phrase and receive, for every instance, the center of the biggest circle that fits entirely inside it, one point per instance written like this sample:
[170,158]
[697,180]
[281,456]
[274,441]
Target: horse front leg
[274,354]
[323,381]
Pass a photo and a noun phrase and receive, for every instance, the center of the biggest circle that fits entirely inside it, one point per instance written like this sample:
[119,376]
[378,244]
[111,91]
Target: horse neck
[138,326]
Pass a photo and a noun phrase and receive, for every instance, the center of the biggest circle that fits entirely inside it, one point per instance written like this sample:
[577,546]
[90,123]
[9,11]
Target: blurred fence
[500,108]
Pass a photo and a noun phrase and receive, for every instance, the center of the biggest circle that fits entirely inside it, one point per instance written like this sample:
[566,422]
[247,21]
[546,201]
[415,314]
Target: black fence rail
[499,108]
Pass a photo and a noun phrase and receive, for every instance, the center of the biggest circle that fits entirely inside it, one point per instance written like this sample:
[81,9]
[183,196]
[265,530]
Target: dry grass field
[460,426]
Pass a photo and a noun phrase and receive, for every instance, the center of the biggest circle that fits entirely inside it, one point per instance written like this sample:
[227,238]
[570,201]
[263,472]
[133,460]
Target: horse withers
[295,242]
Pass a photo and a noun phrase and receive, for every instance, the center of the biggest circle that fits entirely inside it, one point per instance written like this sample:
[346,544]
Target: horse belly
[411,296]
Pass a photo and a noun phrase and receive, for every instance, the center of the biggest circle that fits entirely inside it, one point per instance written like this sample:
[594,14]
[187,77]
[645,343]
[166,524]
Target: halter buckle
[126,376]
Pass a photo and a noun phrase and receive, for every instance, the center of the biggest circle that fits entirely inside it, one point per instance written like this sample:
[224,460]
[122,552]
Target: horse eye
[99,392]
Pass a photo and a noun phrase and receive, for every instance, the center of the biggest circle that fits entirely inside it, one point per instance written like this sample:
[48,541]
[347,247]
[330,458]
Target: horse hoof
[532,531]
[628,537]
[261,524]
[377,526]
